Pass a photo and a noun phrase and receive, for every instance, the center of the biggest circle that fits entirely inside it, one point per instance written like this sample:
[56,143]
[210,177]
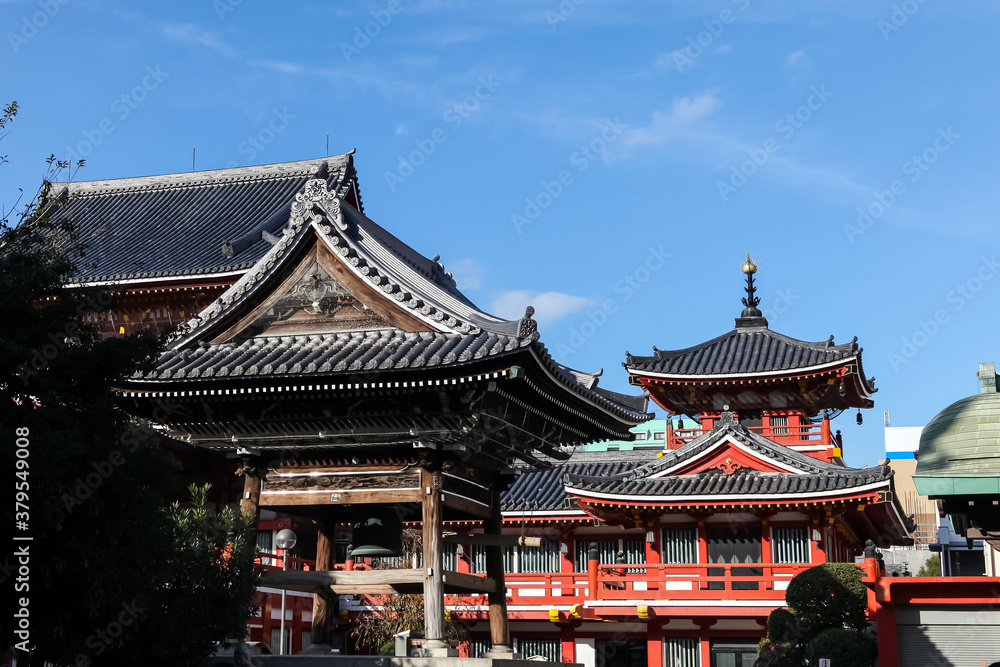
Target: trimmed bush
[844,648]
[829,596]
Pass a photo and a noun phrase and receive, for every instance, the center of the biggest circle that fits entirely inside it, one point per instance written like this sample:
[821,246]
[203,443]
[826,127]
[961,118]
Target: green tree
[826,618]
[931,568]
[106,553]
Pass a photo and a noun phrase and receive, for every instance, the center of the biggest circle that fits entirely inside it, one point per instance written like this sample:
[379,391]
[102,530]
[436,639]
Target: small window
[550,649]
[680,545]
[639,437]
[659,435]
[790,545]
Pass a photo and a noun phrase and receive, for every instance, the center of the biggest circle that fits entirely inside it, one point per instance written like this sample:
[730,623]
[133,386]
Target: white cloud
[794,58]
[665,125]
[549,306]
[192,34]
[282,66]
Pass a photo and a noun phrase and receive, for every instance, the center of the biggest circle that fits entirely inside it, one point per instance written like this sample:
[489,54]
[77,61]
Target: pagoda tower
[783,389]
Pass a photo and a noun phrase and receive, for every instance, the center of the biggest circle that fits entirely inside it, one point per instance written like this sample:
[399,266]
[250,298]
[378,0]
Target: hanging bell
[380,534]
[860,418]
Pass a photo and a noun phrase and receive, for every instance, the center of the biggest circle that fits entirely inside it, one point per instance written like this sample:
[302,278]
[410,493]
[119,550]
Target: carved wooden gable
[318,295]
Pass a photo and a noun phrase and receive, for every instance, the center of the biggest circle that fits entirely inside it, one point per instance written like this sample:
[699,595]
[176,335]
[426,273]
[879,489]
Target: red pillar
[568,644]
[654,645]
[765,553]
[592,566]
[818,557]
[706,648]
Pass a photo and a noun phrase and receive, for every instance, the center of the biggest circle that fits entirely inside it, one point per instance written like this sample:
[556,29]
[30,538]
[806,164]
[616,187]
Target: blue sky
[609,163]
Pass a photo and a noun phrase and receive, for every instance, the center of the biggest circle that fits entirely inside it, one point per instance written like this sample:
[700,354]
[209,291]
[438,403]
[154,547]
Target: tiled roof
[345,352]
[744,350]
[464,333]
[543,490]
[186,225]
[652,479]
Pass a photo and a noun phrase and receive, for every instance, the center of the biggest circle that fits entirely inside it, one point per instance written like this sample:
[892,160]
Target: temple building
[341,374]
[355,391]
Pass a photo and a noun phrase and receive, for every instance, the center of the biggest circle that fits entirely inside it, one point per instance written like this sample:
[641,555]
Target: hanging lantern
[380,534]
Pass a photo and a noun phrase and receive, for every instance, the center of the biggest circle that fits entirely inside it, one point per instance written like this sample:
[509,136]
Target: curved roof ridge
[205,177]
[806,464]
[743,350]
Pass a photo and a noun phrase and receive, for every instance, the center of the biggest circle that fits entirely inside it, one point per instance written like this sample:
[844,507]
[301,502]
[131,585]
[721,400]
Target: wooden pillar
[433,579]
[295,645]
[705,646]
[499,624]
[267,620]
[324,607]
[250,502]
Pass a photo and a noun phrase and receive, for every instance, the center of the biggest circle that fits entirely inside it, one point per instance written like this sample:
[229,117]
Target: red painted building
[696,543]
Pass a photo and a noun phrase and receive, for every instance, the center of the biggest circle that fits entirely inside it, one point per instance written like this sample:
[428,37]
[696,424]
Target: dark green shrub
[786,654]
[782,626]
[829,596]
[844,648]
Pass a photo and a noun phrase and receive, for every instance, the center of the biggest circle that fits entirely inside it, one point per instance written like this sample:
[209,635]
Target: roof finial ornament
[751,315]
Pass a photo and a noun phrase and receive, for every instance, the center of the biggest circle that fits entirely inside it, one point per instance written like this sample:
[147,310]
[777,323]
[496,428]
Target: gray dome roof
[963,440]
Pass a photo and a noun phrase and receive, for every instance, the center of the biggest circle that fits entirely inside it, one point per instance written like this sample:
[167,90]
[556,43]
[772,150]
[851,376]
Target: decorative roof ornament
[751,315]
[528,327]
[750,301]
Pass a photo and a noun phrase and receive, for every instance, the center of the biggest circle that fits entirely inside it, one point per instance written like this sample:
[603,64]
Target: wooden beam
[467,583]
[342,498]
[461,504]
[316,580]
[487,539]
[359,582]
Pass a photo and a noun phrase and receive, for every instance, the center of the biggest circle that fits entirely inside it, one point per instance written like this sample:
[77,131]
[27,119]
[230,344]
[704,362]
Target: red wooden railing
[809,434]
[654,582]
[276,562]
